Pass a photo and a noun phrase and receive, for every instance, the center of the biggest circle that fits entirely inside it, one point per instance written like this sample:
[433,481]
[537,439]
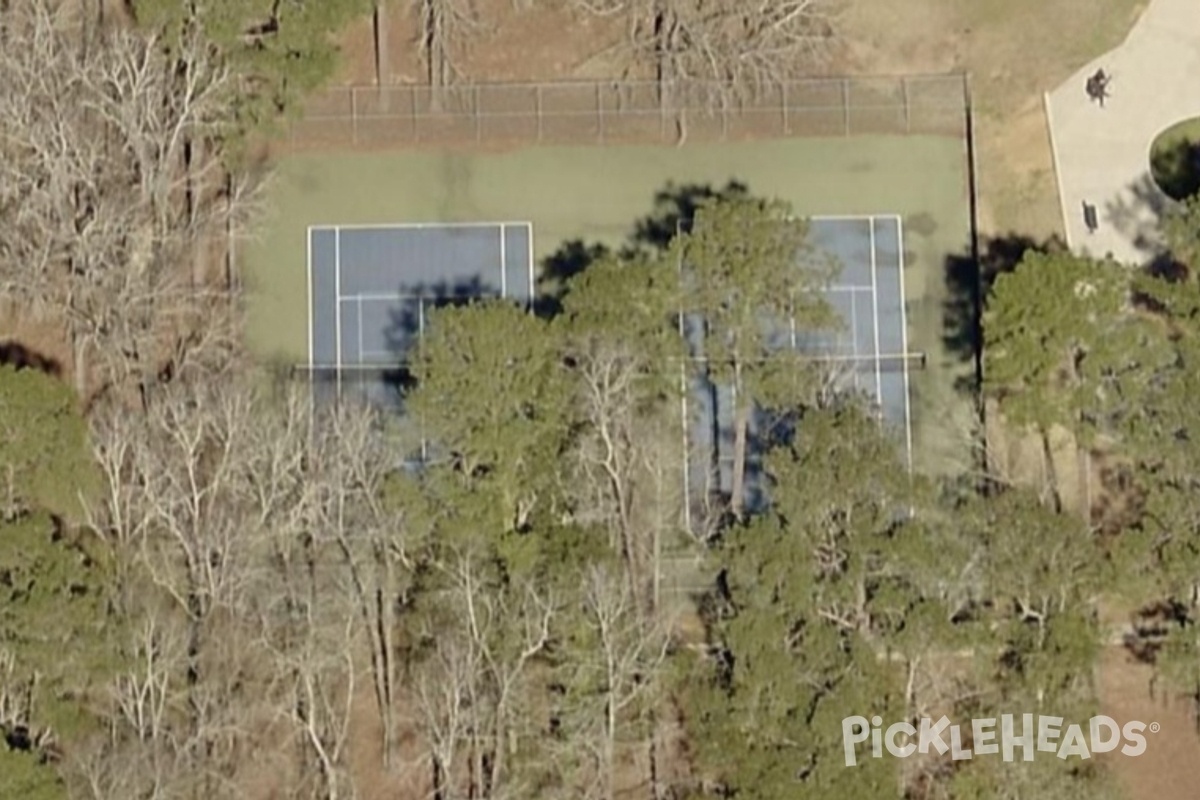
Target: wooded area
[207,590]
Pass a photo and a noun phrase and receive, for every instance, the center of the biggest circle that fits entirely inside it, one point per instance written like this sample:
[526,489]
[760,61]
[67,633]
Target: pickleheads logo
[1037,734]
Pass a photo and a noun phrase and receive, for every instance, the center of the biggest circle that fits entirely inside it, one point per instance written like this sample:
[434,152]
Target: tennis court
[592,194]
[867,354]
[371,289]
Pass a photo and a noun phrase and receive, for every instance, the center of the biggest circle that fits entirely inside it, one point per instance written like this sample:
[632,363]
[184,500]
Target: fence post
[537,104]
[354,114]
[662,112]
[412,107]
[787,124]
[907,118]
[599,112]
[478,113]
[846,103]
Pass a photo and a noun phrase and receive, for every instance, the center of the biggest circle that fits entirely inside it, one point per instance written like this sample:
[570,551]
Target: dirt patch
[1166,770]
[510,42]
[1014,50]
[29,342]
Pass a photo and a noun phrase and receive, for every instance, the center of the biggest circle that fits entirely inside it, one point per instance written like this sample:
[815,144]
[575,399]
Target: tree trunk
[652,755]
[386,623]
[439,780]
[383,57]
[230,263]
[435,51]
[610,756]
[1049,470]
[741,423]
[80,365]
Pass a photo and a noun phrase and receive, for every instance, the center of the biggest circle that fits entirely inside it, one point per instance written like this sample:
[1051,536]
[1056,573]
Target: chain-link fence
[629,111]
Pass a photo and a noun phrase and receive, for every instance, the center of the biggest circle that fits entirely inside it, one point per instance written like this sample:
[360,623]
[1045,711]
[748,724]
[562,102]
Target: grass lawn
[597,194]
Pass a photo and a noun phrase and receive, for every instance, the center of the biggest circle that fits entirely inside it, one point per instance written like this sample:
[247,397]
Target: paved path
[1103,154]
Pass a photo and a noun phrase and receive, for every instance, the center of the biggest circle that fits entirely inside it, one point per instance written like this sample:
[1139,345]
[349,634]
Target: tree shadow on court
[969,284]
[406,323]
[557,270]
[672,206]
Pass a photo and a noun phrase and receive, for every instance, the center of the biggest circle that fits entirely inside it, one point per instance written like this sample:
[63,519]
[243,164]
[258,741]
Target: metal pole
[662,113]
[412,107]
[478,113]
[846,104]
[599,112]
[537,99]
[787,124]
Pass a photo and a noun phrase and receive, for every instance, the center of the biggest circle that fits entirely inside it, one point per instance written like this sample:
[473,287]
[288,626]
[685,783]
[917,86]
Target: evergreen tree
[749,273]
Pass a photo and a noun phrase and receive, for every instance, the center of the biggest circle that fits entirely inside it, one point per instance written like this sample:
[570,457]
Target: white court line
[854,331]
[875,309]
[683,412]
[382,296]
[400,226]
[337,277]
[503,261]
[360,333]
[908,432]
[308,246]
[848,217]
[532,288]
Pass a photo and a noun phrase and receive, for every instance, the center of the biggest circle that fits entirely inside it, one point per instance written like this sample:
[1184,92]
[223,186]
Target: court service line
[875,311]
[908,432]
[683,414]
[504,261]
[399,226]
[337,309]
[311,316]
[529,241]
[360,327]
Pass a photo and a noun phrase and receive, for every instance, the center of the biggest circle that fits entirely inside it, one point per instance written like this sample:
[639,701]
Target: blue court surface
[869,354]
[371,289]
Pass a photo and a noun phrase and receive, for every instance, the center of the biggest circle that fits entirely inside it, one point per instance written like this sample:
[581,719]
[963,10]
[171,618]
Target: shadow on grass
[18,356]
[1176,168]
[968,286]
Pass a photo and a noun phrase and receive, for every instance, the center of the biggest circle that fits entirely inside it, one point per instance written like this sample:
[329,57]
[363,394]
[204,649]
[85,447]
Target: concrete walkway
[1102,155]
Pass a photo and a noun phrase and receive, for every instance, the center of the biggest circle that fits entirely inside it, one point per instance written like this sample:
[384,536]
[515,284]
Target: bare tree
[708,53]
[614,669]
[612,451]
[376,542]
[445,26]
[110,187]
[191,532]
[483,637]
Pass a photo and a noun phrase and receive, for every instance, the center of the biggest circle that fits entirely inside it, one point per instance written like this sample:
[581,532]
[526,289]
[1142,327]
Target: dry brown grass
[1014,51]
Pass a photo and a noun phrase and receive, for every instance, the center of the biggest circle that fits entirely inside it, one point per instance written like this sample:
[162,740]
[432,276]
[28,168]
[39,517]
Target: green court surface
[598,193]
